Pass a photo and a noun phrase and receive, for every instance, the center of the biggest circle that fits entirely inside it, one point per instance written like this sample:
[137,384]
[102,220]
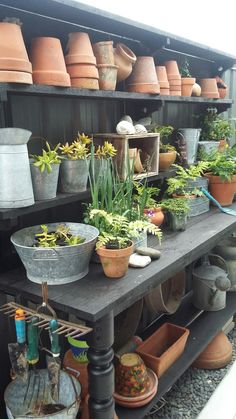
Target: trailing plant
[215,127]
[106,151]
[48,157]
[178,206]
[184,70]
[60,237]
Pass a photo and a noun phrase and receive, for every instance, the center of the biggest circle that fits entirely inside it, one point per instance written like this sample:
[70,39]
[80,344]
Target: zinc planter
[177,222]
[188,139]
[74,175]
[115,262]
[15,180]
[208,146]
[56,265]
[44,183]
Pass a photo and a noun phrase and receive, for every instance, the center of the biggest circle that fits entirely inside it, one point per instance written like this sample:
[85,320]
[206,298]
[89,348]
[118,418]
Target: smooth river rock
[149,251]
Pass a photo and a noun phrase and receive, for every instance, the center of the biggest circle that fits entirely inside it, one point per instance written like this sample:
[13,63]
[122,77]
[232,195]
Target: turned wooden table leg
[100,369]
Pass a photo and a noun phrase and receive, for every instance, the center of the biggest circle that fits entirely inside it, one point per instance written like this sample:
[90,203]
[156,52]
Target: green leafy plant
[48,157]
[223,166]
[145,196]
[178,206]
[166,148]
[75,151]
[215,127]
[60,237]
[106,151]
[179,184]
[164,130]
[184,70]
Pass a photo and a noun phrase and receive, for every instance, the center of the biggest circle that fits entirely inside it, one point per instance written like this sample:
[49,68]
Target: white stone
[139,129]
[125,127]
[138,261]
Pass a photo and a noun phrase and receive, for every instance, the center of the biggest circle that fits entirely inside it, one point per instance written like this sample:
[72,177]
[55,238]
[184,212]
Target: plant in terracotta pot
[152,209]
[216,131]
[222,178]
[44,172]
[187,81]
[167,152]
[75,165]
[177,209]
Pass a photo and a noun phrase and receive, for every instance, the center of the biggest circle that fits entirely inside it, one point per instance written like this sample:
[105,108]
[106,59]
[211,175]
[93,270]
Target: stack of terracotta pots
[48,62]
[209,88]
[143,78]
[163,80]
[81,62]
[15,66]
[107,69]
[174,77]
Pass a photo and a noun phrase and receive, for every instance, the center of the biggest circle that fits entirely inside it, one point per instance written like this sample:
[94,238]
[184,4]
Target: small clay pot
[143,78]
[187,85]
[155,215]
[79,49]
[216,355]
[115,262]
[172,70]
[162,77]
[107,76]
[209,88]
[85,83]
[83,70]
[48,62]
[223,192]
[124,59]
[13,54]
[166,160]
[103,52]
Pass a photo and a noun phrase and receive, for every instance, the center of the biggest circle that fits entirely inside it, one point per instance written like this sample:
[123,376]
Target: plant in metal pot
[187,81]
[75,165]
[44,172]
[100,158]
[222,178]
[60,237]
[177,209]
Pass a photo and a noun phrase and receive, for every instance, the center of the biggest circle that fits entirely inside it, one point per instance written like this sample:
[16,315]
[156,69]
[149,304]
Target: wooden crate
[147,143]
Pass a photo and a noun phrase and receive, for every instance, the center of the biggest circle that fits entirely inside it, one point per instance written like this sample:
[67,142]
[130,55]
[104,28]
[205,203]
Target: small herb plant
[184,71]
[60,237]
[48,157]
[178,206]
[215,127]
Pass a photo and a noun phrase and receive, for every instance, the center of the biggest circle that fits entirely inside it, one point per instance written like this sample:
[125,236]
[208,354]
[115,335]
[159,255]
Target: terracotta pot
[104,53]
[222,92]
[166,160]
[135,161]
[222,87]
[78,370]
[85,411]
[115,262]
[162,77]
[13,54]
[175,92]
[79,49]
[48,62]
[196,90]
[175,83]
[223,192]
[124,59]
[15,77]
[172,70]
[131,377]
[209,88]
[216,355]
[163,347]
[83,70]
[165,92]
[107,76]
[85,83]
[155,215]
[187,85]
[143,78]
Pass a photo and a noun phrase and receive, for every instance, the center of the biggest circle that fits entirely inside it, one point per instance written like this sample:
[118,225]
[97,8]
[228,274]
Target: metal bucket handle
[49,254]
[77,396]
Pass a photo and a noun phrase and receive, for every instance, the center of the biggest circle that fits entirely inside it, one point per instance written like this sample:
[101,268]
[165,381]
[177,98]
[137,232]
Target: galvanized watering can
[187,140]
[210,283]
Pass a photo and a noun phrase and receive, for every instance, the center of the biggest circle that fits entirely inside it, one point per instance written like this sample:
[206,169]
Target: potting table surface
[94,296]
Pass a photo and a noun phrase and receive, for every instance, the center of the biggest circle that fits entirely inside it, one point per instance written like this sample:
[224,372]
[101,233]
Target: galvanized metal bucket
[189,138]
[73,176]
[58,265]
[44,183]
[208,147]
[198,205]
[15,180]
[23,398]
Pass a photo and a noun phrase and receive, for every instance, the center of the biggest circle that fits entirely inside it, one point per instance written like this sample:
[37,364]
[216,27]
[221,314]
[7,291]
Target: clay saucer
[134,404]
[145,397]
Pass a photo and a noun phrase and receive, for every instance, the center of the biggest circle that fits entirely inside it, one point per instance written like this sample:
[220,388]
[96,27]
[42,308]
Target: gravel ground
[190,393]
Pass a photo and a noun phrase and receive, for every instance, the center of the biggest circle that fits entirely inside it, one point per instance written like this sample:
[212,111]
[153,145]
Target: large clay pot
[166,160]
[162,77]
[143,78]
[223,192]
[85,83]
[172,70]
[82,70]
[209,88]
[107,76]
[155,215]
[14,62]
[216,355]
[115,262]
[187,85]
[124,59]
[48,62]
[103,52]
[79,49]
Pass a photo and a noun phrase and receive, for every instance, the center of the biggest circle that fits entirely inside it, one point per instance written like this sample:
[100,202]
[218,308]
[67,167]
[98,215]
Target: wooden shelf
[202,331]
[7,88]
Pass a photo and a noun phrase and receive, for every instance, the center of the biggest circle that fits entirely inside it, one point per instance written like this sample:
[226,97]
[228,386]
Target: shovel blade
[18,358]
[54,366]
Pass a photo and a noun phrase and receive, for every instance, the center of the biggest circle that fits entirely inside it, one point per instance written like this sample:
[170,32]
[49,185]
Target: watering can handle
[221,259]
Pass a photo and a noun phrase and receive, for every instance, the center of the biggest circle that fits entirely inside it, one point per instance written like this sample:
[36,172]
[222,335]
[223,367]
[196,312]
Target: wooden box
[147,143]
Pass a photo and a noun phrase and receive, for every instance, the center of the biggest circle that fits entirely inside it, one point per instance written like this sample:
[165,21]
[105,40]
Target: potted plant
[44,172]
[152,209]
[222,178]
[216,131]
[75,165]
[167,152]
[177,209]
[187,81]
[100,157]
